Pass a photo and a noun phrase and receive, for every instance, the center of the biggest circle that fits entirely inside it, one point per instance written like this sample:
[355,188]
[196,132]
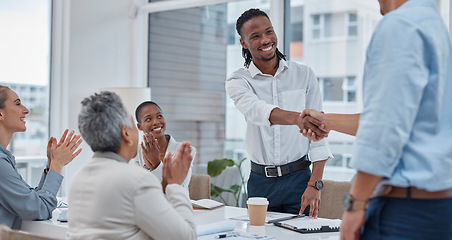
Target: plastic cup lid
[257,201]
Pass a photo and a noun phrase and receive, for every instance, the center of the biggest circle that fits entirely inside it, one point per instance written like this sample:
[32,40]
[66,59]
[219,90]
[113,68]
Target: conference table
[54,228]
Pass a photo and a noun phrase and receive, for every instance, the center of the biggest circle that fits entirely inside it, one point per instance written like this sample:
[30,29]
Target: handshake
[316,125]
[313,125]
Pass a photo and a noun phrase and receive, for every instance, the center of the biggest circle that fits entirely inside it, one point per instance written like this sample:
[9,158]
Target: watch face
[347,202]
[319,185]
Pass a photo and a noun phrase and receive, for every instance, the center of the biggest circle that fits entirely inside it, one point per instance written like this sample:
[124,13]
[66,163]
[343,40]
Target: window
[352,24]
[349,88]
[233,36]
[25,61]
[331,89]
[317,23]
[297,31]
[338,89]
[331,25]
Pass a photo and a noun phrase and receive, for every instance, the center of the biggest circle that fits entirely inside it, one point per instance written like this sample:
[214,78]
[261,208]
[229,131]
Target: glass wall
[330,36]
[25,64]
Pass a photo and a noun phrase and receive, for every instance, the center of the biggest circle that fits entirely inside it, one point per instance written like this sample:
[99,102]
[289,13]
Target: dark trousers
[410,219]
[283,193]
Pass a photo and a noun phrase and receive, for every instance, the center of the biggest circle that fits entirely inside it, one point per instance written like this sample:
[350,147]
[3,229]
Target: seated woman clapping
[110,199]
[19,201]
[156,144]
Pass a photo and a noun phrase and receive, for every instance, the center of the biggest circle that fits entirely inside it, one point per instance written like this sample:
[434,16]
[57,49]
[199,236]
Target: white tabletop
[221,214]
[56,229]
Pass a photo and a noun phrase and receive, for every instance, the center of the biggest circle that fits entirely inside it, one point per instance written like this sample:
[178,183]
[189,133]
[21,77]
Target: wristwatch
[316,184]
[350,204]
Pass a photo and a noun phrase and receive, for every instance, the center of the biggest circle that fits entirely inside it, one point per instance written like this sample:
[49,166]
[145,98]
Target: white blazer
[110,199]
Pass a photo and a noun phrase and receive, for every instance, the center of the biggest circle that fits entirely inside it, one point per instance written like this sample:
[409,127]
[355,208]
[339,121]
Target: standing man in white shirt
[271,92]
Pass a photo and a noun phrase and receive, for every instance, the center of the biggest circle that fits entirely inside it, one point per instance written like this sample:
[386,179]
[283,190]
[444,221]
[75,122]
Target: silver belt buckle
[278,169]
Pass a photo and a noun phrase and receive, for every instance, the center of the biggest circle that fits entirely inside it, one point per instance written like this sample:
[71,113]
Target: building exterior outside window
[25,61]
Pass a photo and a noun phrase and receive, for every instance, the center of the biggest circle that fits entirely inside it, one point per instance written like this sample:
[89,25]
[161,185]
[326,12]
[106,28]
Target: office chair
[199,187]
[331,198]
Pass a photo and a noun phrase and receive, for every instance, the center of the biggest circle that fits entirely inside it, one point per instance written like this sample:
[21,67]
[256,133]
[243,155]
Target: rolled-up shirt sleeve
[28,203]
[392,94]
[247,102]
[320,150]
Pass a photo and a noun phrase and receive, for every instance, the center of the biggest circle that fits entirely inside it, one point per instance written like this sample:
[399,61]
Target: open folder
[307,225]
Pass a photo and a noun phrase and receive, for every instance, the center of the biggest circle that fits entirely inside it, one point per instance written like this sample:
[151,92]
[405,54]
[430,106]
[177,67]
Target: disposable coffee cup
[257,210]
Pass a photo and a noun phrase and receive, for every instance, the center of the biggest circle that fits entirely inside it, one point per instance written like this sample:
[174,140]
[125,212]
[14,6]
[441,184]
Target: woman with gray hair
[110,199]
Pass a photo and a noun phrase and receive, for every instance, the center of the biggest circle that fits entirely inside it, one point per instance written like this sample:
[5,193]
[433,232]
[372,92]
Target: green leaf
[215,191]
[216,167]
[235,188]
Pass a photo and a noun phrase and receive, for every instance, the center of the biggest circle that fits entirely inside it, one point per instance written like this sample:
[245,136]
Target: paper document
[215,227]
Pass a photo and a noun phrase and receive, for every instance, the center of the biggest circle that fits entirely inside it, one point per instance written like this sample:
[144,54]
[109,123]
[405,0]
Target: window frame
[349,24]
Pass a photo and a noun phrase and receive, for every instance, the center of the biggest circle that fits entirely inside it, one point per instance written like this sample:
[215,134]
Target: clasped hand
[151,151]
[312,126]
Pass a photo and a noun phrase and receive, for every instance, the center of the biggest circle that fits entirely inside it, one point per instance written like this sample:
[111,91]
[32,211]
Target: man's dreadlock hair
[249,14]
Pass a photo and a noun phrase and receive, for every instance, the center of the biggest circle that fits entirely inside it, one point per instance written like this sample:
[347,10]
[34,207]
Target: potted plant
[215,168]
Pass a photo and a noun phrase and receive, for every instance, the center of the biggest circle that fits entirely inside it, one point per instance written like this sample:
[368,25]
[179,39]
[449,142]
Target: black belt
[282,170]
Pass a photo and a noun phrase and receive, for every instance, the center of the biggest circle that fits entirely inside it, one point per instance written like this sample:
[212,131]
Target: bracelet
[46,170]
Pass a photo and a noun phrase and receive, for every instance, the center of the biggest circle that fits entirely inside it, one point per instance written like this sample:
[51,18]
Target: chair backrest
[199,186]
[8,234]
[331,199]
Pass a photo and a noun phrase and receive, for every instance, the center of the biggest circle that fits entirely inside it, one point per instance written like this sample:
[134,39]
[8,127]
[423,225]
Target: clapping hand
[62,153]
[151,151]
[175,168]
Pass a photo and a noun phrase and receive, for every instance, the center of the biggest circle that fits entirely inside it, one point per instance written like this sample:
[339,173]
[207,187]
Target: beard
[270,58]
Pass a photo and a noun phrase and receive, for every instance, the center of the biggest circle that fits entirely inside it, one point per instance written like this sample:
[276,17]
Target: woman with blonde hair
[19,201]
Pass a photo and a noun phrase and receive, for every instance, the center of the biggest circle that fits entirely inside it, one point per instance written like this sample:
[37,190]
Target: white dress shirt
[172,147]
[110,199]
[294,88]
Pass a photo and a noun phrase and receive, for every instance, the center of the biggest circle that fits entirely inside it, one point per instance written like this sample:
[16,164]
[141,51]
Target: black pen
[225,235]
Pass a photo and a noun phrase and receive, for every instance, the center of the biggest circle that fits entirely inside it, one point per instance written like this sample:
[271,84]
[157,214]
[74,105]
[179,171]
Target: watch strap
[351,204]
[359,205]
[318,184]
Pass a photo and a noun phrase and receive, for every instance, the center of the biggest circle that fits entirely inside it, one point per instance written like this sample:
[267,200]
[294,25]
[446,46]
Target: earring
[130,143]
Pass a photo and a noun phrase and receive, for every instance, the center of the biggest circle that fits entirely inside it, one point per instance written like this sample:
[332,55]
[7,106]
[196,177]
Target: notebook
[206,204]
[307,225]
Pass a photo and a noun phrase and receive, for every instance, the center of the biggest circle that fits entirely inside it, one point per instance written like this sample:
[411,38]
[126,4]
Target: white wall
[97,46]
